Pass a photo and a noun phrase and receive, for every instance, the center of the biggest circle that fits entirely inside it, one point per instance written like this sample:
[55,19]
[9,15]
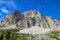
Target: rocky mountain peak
[12,18]
[15,12]
[32,12]
[29,19]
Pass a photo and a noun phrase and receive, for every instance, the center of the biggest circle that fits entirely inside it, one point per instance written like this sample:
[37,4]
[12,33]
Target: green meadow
[12,35]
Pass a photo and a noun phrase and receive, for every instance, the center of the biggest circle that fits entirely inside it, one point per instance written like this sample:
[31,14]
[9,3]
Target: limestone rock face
[12,18]
[29,19]
[34,18]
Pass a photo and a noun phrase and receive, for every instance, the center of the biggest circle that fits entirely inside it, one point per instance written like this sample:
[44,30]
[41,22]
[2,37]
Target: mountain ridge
[29,19]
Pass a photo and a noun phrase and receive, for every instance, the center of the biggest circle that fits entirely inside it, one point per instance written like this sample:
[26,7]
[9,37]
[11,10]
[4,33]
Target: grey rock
[29,19]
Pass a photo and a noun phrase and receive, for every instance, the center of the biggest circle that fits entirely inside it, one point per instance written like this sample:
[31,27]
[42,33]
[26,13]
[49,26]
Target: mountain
[29,19]
[31,25]
[12,18]
[34,18]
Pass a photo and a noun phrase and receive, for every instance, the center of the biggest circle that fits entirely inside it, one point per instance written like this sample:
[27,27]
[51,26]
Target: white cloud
[8,3]
[3,9]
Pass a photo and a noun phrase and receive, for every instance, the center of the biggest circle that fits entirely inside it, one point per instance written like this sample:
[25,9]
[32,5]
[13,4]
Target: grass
[54,35]
[12,35]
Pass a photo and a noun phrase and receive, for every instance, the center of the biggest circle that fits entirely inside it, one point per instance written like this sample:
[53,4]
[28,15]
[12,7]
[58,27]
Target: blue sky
[45,7]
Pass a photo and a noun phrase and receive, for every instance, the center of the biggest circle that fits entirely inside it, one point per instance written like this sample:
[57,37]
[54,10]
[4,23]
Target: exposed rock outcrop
[29,19]
[12,18]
